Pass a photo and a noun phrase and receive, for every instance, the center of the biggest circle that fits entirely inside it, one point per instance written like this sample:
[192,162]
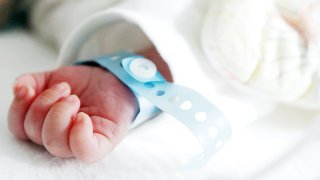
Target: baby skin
[75,111]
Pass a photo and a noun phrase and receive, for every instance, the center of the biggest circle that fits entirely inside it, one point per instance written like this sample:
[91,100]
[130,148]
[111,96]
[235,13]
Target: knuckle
[46,97]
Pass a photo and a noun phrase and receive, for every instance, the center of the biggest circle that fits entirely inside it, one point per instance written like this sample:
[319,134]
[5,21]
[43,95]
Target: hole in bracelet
[186,105]
[160,93]
[200,116]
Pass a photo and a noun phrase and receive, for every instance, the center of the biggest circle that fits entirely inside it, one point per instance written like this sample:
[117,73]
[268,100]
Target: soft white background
[269,142]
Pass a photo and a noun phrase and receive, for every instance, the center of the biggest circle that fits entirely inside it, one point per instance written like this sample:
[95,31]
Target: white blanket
[269,142]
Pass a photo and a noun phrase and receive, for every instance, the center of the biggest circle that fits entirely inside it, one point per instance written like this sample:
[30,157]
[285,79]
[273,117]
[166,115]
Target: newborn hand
[76,111]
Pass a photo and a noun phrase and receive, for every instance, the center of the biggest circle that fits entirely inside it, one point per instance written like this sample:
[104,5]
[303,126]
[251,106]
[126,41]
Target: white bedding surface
[281,142]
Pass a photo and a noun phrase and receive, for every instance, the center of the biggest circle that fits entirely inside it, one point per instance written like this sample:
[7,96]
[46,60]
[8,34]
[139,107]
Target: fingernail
[79,118]
[22,92]
[62,86]
[70,99]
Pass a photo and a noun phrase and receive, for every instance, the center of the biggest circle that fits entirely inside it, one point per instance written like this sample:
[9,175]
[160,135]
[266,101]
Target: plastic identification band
[203,119]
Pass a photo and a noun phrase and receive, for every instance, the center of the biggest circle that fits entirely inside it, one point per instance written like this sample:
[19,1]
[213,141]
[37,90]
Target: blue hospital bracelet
[203,119]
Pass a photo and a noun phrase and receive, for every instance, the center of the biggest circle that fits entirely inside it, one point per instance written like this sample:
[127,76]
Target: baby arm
[75,111]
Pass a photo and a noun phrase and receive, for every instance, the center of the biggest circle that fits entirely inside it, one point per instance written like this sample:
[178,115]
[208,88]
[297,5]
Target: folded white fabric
[255,47]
